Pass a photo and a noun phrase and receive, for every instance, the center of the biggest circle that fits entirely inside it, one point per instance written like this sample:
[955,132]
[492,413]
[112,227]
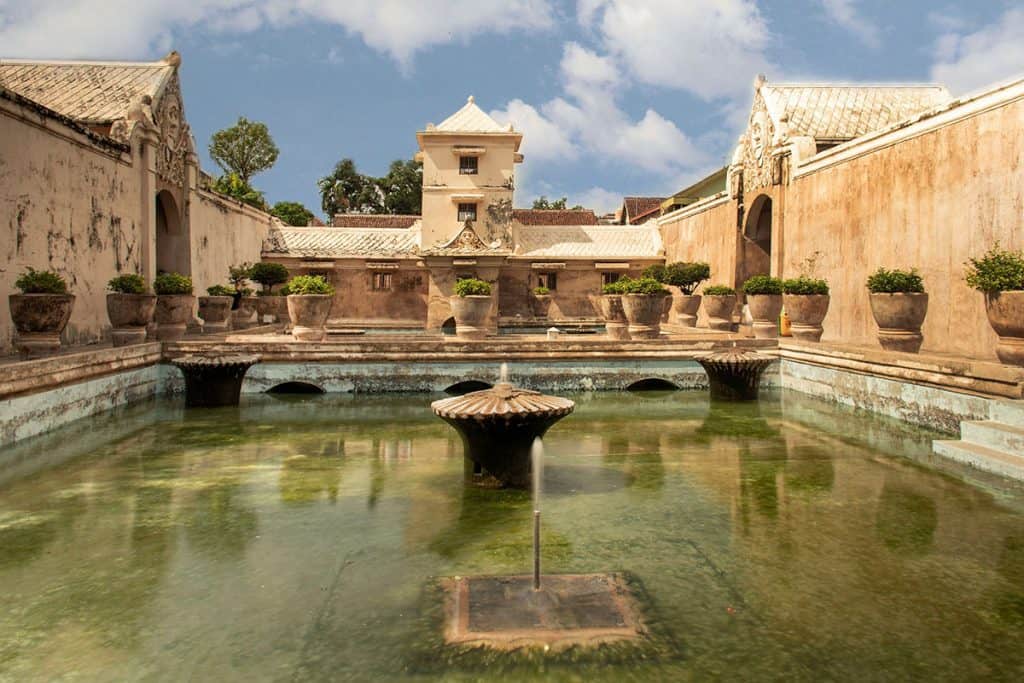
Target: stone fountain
[498,427]
[214,380]
[735,374]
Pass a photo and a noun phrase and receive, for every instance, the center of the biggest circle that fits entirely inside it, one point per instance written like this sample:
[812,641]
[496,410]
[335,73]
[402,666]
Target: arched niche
[173,245]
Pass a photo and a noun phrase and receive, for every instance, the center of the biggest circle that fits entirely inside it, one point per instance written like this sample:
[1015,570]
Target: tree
[402,187]
[543,203]
[244,149]
[233,186]
[292,213]
[346,190]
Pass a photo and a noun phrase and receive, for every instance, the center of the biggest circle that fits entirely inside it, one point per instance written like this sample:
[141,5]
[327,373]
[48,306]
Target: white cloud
[991,54]
[712,48]
[133,29]
[589,120]
[600,199]
[845,14]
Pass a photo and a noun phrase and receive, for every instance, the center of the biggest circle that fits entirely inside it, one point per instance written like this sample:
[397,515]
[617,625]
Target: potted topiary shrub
[999,274]
[899,305]
[244,307]
[719,304]
[270,307]
[215,308]
[806,302]
[764,297]
[470,306]
[643,302]
[41,312]
[309,304]
[174,303]
[130,309]
[659,272]
[541,302]
[615,324]
[685,278]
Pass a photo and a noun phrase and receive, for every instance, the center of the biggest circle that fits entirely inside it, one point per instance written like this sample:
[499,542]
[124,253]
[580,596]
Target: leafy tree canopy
[544,203]
[233,186]
[244,149]
[402,188]
[346,190]
[292,213]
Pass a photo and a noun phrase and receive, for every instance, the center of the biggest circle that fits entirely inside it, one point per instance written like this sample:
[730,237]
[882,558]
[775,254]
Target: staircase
[994,445]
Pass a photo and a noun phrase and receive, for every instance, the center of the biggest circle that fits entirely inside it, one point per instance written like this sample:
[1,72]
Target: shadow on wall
[295,388]
[465,387]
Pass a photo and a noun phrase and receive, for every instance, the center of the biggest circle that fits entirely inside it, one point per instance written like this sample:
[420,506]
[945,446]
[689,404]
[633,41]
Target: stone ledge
[31,376]
[964,375]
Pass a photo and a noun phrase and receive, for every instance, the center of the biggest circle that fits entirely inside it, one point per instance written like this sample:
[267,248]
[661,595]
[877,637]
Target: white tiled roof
[839,112]
[589,241]
[339,242]
[89,92]
[470,119]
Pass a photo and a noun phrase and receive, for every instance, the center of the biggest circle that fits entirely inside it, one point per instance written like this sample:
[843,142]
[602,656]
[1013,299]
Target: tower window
[549,280]
[467,212]
[381,281]
[608,278]
[468,165]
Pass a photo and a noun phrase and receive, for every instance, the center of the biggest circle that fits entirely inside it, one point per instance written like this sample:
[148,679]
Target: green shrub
[686,276]
[34,281]
[472,287]
[221,290]
[541,291]
[268,274]
[998,270]
[172,283]
[895,281]
[656,272]
[762,284]
[644,285]
[804,285]
[719,290]
[129,283]
[309,284]
[237,275]
[617,287]
[284,291]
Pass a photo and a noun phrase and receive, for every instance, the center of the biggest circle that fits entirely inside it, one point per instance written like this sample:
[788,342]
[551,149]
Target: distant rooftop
[554,216]
[589,242]
[373,220]
[470,119]
[337,242]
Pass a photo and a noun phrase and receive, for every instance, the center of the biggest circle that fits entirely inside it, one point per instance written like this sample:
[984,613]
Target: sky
[614,97]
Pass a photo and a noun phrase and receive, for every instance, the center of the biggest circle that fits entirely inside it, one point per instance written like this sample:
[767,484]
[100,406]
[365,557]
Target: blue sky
[614,97]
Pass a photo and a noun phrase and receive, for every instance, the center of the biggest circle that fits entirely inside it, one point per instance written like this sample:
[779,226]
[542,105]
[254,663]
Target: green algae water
[297,539]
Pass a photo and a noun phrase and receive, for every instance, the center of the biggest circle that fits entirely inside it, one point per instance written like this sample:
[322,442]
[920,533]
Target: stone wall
[69,203]
[356,300]
[933,196]
[575,295]
[224,232]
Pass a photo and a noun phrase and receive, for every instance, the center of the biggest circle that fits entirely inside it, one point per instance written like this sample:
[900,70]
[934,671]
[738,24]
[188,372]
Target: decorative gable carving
[175,136]
[467,240]
[757,154]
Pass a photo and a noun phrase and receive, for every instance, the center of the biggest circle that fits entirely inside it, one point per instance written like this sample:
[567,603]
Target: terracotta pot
[765,310]
[719,309]
[270,308]
[39,320]
[308,313]
[643,313]
[1006,315]
[806,312]
[241,317]
[471,315]
[899,317]
[216,313]
[173,313]
[541,305]
[615,324]
[685,307]
[129,315]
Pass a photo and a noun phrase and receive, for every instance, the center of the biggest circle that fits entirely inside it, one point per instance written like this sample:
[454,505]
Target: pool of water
[298,538]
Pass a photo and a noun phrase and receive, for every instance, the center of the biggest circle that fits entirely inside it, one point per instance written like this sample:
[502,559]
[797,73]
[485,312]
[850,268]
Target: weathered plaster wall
[224,233]
[930,201]
[709,236]
[356,300]
[68,204]
[578,285]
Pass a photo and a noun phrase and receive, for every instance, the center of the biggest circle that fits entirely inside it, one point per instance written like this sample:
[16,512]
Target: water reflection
[906,519]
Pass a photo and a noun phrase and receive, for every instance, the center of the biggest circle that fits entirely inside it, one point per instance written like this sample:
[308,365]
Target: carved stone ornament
[757,161]
[467,239]
[174,135]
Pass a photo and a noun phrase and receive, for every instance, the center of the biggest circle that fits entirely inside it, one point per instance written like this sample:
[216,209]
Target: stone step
[981,457]
[996,435]
[1007,412]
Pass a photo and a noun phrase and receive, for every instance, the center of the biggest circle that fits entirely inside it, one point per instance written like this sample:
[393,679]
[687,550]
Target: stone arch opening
[466,386]
[757,240]
[173,248]
[295,388]
[652,384]
[448,326]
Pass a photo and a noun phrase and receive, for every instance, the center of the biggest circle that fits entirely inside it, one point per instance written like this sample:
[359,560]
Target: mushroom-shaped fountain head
[498,426]
[734,374]
[214,380]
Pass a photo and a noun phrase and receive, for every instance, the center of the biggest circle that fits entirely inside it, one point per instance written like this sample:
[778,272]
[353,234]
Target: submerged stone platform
[569,610]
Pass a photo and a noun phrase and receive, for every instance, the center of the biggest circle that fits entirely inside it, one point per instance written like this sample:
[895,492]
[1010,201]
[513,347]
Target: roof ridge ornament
[173,58]
[470,100]
[759,82]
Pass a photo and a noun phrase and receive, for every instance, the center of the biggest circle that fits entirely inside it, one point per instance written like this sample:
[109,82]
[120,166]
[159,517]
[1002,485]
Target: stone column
[489,273]
[439,287]
[148,149]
